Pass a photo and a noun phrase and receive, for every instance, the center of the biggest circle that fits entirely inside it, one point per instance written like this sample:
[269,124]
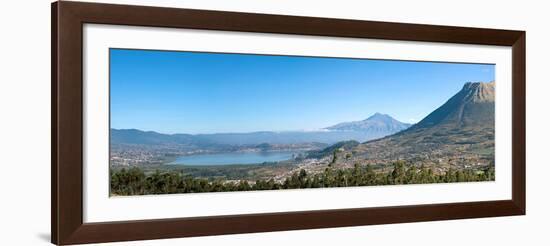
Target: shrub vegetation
[134,181]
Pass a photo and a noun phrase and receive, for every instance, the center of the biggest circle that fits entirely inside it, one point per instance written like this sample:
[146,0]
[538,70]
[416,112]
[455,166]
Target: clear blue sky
[189,92]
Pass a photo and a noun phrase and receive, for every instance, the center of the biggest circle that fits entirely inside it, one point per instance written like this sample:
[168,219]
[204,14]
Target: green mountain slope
[459,134]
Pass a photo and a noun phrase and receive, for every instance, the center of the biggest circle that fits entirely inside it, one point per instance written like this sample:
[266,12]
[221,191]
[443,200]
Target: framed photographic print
[174,122]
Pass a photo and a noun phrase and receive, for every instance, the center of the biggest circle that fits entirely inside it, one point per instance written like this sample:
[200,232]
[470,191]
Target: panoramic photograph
[194,122]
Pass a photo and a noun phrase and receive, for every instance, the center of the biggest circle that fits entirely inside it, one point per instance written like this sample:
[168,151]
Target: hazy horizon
[290,130]
[203,93]
[206,133]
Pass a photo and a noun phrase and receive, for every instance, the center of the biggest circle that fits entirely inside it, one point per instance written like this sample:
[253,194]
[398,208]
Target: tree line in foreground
[134,181]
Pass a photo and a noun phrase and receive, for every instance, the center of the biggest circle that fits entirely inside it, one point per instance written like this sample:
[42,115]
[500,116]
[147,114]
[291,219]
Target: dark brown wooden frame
[66,219]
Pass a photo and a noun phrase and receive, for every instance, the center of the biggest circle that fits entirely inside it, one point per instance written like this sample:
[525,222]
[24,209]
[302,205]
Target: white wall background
[25,122]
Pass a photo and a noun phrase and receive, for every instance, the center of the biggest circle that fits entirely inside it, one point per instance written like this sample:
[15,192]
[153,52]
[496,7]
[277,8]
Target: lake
[233,158]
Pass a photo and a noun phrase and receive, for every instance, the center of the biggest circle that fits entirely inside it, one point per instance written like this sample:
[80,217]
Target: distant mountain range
[458,134]
[377,123]
[376,126]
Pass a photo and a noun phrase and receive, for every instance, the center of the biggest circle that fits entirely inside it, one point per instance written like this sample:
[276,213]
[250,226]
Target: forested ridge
[134,181]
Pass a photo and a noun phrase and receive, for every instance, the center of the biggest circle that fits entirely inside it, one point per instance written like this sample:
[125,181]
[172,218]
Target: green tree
[398,173]
[370,175]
